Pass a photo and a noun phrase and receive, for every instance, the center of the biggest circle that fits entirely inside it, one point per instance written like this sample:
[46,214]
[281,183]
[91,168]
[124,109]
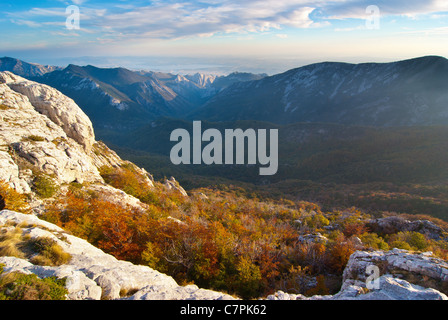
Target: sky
[268,36]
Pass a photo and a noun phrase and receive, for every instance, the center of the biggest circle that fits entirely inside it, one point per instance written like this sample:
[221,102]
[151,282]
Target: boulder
[313,238]
[394,224]
[172,184]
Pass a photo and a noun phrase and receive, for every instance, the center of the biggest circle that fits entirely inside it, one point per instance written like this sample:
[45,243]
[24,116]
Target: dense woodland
[224,239]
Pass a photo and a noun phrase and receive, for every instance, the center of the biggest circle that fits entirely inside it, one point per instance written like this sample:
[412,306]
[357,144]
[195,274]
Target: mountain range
[121,99]
[404,93]
[410,92]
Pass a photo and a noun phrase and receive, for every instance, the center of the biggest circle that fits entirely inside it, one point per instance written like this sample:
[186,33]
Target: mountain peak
[24,69]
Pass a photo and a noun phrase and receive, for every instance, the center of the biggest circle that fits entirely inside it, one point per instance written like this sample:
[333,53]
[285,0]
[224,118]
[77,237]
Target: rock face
[92,274]
[60,109]
[396,224]
[172,184]
[401,275]
[44,132]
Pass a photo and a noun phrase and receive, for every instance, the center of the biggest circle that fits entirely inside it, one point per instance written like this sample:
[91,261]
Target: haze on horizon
[213,36]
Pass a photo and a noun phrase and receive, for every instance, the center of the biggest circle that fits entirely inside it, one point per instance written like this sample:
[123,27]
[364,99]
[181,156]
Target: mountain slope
[121,99]
[24,69]
[410,92]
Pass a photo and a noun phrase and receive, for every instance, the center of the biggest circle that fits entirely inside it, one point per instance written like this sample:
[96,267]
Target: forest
[225,239]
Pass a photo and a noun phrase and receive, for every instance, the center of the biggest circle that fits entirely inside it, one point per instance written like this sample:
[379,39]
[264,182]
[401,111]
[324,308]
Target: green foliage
[409,240]
[17,286]
[372,240]
[316,221]
[248,278]
[44,186]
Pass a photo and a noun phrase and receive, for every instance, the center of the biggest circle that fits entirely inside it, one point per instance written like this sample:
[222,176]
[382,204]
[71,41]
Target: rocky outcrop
[44,132]
[401,275]
[60,109]
[47,139]
[92,274]
[313,238]
[394,224]
[172,184]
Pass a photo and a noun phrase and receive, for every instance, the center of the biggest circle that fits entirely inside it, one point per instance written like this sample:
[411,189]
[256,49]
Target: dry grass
[10,242]
[40,251]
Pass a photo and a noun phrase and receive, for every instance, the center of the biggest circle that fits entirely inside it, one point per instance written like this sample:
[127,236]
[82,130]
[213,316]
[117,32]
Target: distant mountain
[121,99]
[115,98]
[410,92]
[24,69]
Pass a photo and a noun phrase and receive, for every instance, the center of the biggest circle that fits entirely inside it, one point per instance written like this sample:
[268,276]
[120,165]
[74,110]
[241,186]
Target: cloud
[356,9]
[28,23]
[171,19]
[174,20]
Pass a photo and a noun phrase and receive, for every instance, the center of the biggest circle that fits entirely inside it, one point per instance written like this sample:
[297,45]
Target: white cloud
[183,19]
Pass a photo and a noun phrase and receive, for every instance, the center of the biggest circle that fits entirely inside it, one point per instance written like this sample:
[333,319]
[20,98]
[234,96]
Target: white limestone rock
[60,109]
[403,276]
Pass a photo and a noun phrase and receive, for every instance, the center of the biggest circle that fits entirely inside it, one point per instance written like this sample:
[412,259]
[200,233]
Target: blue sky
[222,36]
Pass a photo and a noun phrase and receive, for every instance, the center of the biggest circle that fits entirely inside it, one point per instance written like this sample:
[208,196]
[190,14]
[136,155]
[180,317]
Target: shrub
[14,200]
[374,241]
[44,186]
[409,240]
[316,221]
[17,286]
[34,138]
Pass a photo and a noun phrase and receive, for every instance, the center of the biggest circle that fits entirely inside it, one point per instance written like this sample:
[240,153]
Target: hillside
[404,93]
[400,169]
[25,69]
[77,222]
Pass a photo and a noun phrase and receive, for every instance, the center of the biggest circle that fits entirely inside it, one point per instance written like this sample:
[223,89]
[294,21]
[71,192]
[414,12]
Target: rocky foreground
[92,274]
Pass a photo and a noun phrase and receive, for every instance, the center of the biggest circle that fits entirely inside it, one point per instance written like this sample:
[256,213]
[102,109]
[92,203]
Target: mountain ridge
[408,92]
